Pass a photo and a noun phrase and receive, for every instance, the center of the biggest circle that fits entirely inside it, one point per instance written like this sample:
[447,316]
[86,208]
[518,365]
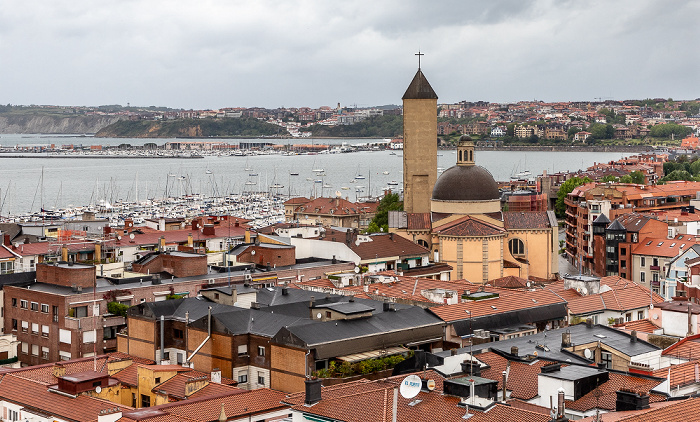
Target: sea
[29,184]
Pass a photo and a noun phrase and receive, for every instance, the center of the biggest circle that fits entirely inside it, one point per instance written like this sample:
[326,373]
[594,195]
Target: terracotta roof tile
[687,348]
[514,220]
[507,301]
[418,221]
[640,325]
[609,390]
[522,377]
[468,226]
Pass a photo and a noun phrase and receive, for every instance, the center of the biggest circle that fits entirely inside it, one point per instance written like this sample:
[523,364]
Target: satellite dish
[338,194]
[16,244]
[357,242]
[528,284]
[357,270]
[318,315]
[410,386]
[131,236]
[655,316]
[587,353]
[98,389]
[651,306]
[119,238]
[252,252]
[430,384]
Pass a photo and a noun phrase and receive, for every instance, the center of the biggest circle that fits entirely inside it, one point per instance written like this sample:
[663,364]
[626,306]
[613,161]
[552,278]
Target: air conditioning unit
[211,281]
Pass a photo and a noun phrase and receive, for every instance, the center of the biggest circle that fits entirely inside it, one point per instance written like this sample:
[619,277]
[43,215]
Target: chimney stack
[514,351]
[633,337]
[313,391]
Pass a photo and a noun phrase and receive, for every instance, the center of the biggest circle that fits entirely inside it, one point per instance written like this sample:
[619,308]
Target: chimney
[64,253]
[195,224]
[311,302]
[58,370]
[391,236]
[633,336]
[514,351]
[98,252]
[504,373]
[631,400]
[216,375]
[285,291]
[236,224]
[222,414]
[209,230]
[161,244]
[589,323]
[128,223]
[161,224]
[6,240]
[254,305]
[246,237]
[190,240]
[566,339]
[560,403]
[313,391]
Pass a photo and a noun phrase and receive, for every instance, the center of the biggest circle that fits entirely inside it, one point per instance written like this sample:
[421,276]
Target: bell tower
[419,143]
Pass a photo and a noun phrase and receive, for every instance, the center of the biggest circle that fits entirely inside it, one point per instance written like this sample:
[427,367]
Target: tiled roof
[640,325]
[682,374]
[297,200]
[468,226]
[5,253]
[31,394]
[519,404]
[687,348]
[506,302]
[43,374]
[624,297]
[660,247]
[175,387]
[336,206]
[504,413]
[679,411]
[383,245]
[509,282]
[522,377]
[418,221]
[403,287]
[514,220]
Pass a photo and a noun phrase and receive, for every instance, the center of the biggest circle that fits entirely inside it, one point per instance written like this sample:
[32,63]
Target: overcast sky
[211,54]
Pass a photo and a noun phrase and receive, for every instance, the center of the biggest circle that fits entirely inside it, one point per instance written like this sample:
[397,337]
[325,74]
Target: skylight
[598,335]
[649,243]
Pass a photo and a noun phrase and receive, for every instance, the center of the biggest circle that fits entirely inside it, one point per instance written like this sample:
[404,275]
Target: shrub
[116,308]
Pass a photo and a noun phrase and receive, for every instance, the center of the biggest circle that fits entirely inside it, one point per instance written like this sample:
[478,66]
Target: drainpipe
[205,340]
[162,339]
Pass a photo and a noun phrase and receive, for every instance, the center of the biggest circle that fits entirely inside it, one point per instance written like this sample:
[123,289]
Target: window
[606,358]
[45,353]
[44,308]
[242,377]
[35,350]
[178,333]
[55,313]
[35,328]
[642,277]
[7,267]
[157,380]
[78,312]
[261,351]
[242,350]
[109,333]
[655,277]
[34,306]
[642,262]
[133,399]
[628,317]
[261,378]
[145,400]
[14,302]
[25,348]
[23,304]
[14,324]
[25,326]
[640,314]
[328,314]
[12,415]
[44,330]
[516,247]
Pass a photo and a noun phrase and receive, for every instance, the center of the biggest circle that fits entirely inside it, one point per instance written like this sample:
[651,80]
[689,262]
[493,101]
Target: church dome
[466,183]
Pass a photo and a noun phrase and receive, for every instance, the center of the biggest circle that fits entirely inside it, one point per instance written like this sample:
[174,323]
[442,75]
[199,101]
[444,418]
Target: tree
[565,189]
[695,167]
[677,175]
[636,177]
[573,130]
[611,178]
[390,202]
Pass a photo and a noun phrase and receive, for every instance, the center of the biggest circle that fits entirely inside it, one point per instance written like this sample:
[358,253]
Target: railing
[91,322]
[654,267]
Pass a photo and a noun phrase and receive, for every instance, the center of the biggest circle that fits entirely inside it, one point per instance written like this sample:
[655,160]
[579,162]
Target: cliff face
[18,123]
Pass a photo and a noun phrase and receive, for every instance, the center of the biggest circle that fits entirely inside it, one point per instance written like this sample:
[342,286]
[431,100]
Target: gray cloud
[312,53]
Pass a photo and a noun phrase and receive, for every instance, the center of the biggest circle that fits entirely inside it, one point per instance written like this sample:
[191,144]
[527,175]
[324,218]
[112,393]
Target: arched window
[460,155]
[471,157]
[516,247]
[423,243]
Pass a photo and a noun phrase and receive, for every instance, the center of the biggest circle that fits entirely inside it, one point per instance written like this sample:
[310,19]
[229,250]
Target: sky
[211,54]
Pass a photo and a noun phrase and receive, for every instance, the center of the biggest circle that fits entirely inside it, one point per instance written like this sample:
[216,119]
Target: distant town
[656,121]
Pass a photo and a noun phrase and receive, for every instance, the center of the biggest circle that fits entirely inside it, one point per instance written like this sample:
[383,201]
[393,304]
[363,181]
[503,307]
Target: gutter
[205,340]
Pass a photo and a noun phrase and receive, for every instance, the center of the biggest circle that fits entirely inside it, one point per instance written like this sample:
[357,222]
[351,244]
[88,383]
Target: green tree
[695,167]
[390,202]
[668,129]
[566,189]
[677,175]
[611,178]
[572,131]
[636,177]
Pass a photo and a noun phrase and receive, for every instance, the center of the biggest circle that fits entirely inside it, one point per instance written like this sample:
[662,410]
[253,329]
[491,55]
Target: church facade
[461,220]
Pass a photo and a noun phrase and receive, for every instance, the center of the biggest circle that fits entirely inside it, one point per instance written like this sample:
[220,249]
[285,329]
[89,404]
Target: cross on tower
[419,54]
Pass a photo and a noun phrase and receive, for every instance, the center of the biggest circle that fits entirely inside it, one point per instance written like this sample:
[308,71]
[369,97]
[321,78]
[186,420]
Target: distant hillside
[50,124]
[374,127]
[194,128]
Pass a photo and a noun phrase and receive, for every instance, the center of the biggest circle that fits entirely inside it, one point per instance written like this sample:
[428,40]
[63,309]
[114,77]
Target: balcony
[89,323]
[654,267]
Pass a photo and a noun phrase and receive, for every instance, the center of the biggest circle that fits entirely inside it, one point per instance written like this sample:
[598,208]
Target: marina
[213,183]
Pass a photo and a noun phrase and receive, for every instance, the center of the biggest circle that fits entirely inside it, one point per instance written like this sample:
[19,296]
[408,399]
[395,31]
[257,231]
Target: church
[458,215]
